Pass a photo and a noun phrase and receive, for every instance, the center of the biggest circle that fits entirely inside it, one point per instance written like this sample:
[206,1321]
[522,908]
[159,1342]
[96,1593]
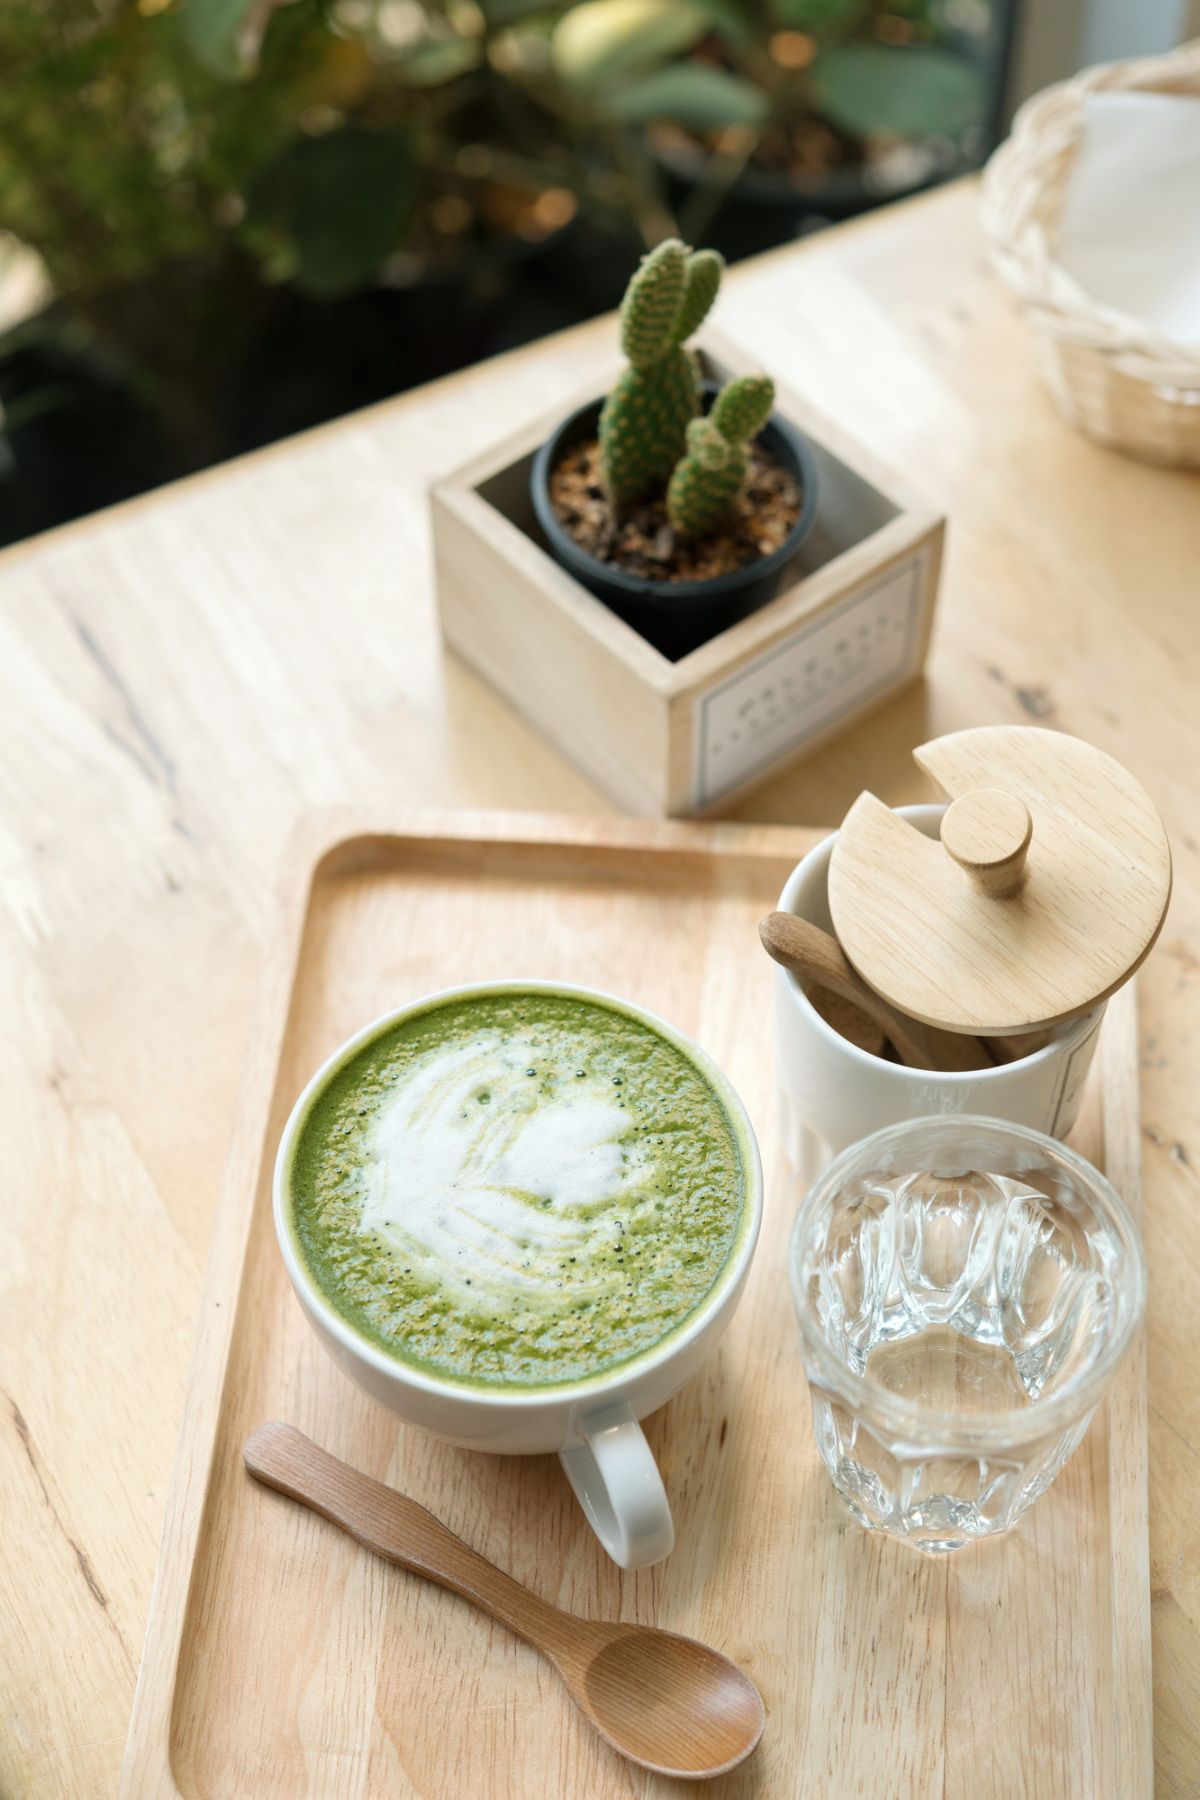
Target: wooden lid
[1047,889]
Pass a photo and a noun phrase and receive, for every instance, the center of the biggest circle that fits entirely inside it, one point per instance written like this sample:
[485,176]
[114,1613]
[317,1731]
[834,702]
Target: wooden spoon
[848,1013]
[814,955]
[666,1702]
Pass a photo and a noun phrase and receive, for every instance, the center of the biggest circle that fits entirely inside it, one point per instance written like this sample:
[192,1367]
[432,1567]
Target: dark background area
[251,217]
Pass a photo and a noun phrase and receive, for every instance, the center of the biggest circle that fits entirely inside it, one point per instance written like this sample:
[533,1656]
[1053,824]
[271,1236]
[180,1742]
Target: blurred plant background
[225,220]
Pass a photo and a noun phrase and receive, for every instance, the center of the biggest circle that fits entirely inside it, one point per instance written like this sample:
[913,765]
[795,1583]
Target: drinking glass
[965,1290]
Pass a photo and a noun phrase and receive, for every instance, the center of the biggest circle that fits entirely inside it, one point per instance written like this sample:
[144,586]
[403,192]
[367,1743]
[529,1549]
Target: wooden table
[184,675]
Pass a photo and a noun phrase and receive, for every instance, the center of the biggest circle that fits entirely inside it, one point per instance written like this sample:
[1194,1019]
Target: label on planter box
[824,670]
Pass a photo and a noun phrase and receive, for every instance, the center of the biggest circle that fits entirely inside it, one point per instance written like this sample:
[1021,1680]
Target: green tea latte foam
[517,1189]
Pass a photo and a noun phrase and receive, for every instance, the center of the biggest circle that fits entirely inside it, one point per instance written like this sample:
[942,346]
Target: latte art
[476,1169]
[517,1188]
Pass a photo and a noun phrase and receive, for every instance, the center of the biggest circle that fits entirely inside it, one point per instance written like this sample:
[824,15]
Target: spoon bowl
[670,1703]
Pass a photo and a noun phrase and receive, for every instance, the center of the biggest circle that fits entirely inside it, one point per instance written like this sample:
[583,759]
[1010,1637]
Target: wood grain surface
[279,1663]
[183,676]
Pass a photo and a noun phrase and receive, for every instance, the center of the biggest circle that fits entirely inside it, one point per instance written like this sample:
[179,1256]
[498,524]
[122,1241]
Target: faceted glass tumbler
[965,1290]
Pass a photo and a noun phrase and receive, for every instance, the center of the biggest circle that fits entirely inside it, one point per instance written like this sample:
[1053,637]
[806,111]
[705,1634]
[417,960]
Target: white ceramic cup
[832,1093]
[592,1424]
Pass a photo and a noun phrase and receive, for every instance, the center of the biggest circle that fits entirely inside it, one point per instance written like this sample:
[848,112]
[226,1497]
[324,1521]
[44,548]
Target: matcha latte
[516,1188]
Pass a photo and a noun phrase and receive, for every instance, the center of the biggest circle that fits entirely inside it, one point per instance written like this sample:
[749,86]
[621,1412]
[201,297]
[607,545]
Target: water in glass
[958,1327]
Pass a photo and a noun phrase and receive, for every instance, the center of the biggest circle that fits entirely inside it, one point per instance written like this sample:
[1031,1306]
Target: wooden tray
[281,1660]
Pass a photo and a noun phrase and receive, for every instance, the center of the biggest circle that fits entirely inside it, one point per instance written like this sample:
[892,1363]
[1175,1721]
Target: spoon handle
[817,957]
[395,1527]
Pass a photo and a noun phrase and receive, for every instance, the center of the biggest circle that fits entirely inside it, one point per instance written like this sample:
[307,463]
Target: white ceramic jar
[833,1093]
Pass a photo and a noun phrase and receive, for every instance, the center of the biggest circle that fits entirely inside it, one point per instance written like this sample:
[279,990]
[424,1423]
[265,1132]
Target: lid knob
[987,832]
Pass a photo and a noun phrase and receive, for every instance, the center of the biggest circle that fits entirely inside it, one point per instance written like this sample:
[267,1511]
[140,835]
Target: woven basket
[1110,376]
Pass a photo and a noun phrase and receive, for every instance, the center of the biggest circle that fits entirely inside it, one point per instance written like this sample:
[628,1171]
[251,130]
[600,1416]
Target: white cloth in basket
[1129,230]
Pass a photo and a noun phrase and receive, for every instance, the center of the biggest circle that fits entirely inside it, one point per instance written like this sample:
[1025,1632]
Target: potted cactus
[676,504]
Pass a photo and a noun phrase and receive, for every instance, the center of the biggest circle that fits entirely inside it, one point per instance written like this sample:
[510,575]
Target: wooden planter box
[848,627]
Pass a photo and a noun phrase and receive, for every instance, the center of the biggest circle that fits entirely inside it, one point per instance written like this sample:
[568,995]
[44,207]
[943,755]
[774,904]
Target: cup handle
[617,1483]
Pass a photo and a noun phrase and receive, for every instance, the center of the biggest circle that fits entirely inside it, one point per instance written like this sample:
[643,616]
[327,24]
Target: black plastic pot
[765,208]
[675,616]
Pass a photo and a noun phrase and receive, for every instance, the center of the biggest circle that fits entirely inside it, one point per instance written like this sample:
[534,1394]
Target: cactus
[644,422]
[708,477]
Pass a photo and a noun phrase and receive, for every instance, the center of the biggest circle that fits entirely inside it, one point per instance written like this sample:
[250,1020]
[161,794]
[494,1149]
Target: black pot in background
[675,616]
[764,208]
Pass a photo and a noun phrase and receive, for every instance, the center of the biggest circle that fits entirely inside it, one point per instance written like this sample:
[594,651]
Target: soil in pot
[644,545]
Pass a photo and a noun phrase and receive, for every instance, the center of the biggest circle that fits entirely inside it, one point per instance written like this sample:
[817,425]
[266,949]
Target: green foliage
[223,35]
[119,149]
[438,60]
[170,160]
[606,40]
[510,12]
[218,145]
[341,201]
[131,137]
[708,65]
[602,42]
[915,92]
[694,94]
[642,426]
[644,421]
[816,15]
[743,407]
[651,304]
[708,477]
[701,285]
